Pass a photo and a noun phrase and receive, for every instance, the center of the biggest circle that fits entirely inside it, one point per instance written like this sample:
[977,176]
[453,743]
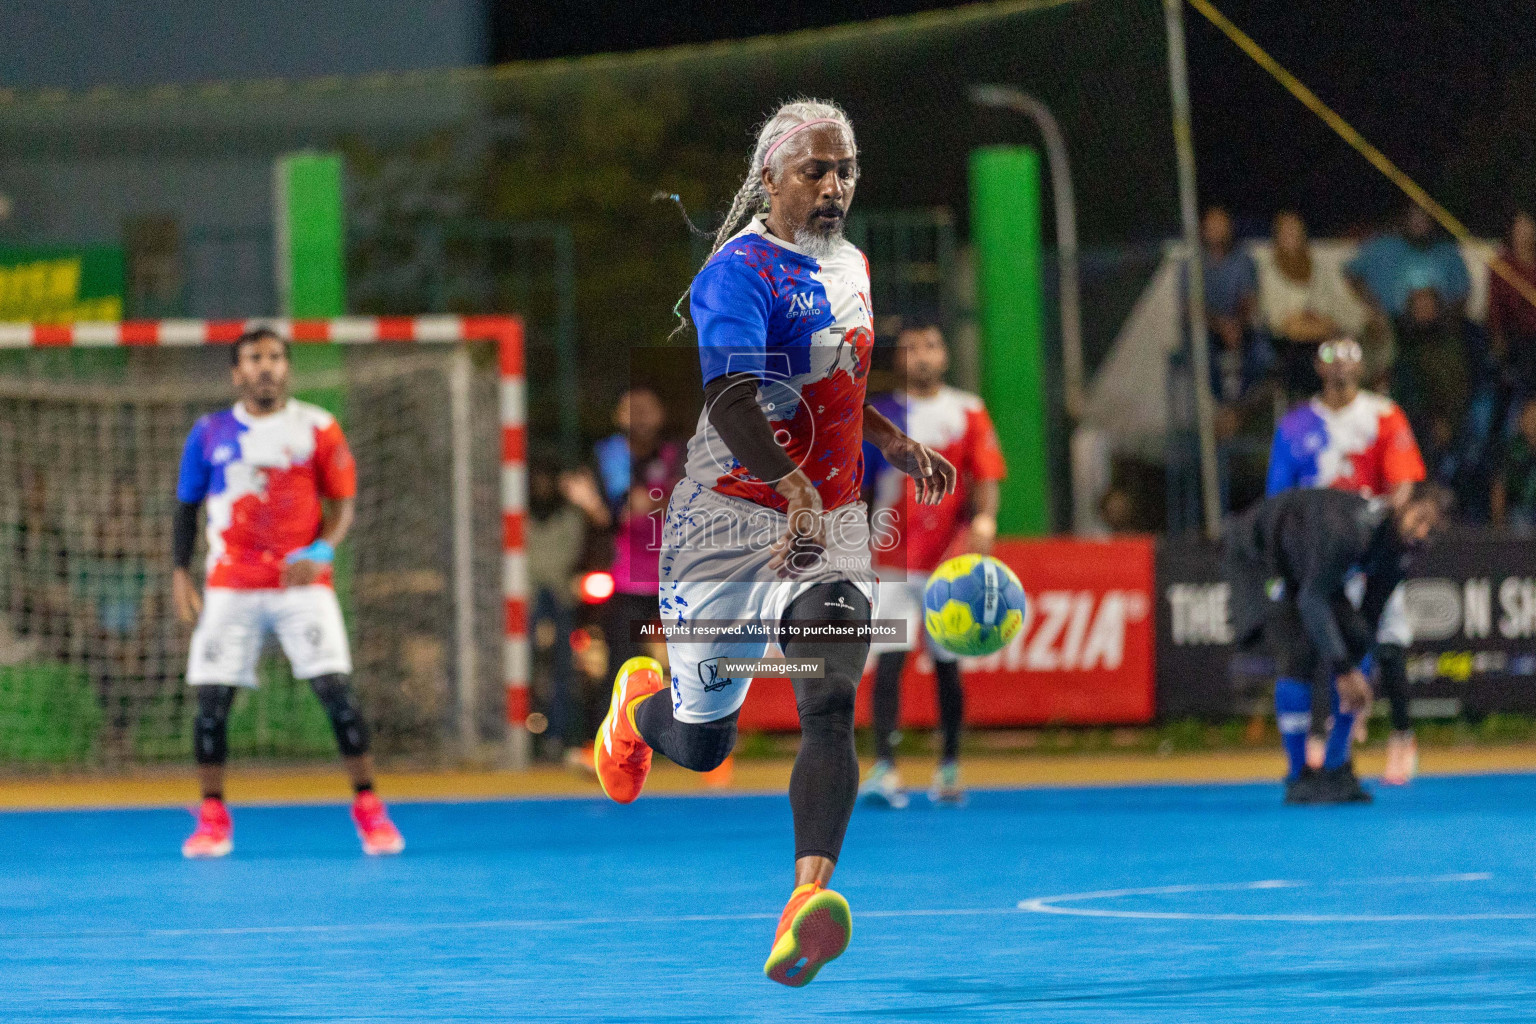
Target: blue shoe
[945,789]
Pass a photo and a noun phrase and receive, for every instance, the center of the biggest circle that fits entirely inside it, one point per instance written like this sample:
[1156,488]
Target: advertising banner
[1084,656]
[61,284]
[1471,601]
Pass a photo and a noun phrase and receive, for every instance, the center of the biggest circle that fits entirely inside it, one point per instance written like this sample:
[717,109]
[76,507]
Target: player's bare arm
[935,477]
[335,522]
[985,497]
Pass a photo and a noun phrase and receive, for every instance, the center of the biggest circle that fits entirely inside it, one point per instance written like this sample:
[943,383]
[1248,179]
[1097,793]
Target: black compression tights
[887,703]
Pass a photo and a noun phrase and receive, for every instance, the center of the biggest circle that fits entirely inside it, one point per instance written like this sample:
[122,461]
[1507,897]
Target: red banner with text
[1084,656]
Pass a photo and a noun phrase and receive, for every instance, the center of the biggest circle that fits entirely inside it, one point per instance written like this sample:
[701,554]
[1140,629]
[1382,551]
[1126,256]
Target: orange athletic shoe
[621,757]
[215,833]
[813,930]
[378,833]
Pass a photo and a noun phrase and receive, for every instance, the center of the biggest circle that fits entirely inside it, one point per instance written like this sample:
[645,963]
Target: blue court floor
[1180,904]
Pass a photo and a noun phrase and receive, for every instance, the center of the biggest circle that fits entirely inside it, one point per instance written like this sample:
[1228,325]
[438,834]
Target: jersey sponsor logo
[801,304]
[222,454]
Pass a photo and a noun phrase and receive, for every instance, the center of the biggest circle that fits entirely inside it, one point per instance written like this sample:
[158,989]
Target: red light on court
[580,640]
[596,587]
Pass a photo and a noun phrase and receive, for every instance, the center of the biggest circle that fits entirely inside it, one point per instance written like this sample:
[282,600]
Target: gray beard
[817,245]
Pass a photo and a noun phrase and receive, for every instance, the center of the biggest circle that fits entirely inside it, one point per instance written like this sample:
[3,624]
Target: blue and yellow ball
[973,605]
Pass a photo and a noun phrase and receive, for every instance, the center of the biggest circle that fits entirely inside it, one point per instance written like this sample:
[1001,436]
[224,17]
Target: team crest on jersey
[222,454]
[709,676]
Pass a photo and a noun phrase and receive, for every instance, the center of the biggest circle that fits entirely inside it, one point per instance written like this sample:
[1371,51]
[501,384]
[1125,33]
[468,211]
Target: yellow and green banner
[61,284]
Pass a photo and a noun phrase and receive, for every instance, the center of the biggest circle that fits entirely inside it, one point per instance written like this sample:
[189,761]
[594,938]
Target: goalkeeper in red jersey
[278,483]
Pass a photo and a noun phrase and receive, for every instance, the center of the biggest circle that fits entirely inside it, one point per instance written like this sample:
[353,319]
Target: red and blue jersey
[804,327]
[262,479]
[1366,447]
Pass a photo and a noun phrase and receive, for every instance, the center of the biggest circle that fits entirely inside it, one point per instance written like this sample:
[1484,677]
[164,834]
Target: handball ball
[973,605]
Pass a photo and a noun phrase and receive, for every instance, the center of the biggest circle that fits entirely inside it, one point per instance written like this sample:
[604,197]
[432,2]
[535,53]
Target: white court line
[506,925]
[1048,904]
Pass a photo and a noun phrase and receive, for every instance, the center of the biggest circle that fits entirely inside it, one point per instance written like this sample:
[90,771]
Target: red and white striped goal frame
[505,331]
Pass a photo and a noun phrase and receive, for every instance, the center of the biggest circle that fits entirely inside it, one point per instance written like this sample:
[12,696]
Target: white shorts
[235,623]
[714,567]
[903,599]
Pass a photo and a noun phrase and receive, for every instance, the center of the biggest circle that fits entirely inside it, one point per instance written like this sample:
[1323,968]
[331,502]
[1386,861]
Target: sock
[1293,713]
[951,706]
[1339,735]
[885,702]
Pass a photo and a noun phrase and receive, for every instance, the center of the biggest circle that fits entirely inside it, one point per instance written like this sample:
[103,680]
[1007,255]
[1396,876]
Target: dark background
[1446,89]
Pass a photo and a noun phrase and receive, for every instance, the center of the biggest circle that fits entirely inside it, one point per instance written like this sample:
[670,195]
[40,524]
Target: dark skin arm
[335,521]
[805,539]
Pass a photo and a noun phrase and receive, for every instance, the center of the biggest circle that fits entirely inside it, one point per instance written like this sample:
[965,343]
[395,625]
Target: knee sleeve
[340,703]
[210,729]
[702,746]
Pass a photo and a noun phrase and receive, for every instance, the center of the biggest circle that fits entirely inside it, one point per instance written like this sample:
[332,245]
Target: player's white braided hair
[752,197]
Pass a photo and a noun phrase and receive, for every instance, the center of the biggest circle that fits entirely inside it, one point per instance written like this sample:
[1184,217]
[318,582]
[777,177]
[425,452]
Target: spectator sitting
[1301,304]
[1240,357]
[1388,267]
[1513,499]
[1511,316]
[1440,353]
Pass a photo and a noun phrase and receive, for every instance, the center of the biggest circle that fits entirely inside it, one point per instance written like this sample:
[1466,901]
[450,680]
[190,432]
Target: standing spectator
[1511,316]
[638,471]
[1513,499]
[1300,303]
[561,506]
[1389,267]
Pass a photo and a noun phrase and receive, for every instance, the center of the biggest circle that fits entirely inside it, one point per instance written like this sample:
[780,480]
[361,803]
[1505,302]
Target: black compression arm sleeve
[184,534]
[733,412]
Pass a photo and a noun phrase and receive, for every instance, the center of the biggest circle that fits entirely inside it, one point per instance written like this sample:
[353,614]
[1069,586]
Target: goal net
[92,422]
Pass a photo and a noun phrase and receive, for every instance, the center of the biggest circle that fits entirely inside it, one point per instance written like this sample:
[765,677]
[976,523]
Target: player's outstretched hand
[804,542]
[1354,692]
[933,474]
[189,603]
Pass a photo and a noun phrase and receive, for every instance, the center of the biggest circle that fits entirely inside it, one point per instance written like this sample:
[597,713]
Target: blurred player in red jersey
[278,483]
[912,539]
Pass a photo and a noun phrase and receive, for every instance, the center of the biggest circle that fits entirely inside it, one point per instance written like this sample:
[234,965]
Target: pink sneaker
[215,833]
[377,832]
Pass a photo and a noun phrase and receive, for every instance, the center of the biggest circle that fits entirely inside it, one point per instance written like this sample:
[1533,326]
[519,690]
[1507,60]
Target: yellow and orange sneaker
[813,931]
[621,757]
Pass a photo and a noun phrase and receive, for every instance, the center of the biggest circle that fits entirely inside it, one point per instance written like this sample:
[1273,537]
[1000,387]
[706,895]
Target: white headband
[791,133]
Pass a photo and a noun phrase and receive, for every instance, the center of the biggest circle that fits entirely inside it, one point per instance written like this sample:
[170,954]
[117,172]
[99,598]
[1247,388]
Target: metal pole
[1072,372]
[1183,142]
[466,661]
